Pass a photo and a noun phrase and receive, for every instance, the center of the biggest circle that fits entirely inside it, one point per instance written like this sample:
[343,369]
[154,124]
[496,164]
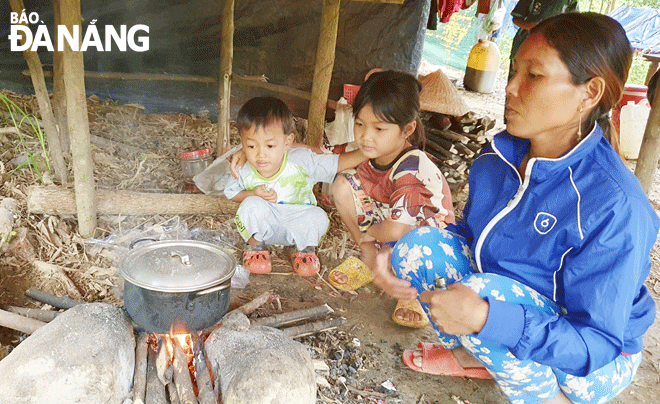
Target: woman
[558,225]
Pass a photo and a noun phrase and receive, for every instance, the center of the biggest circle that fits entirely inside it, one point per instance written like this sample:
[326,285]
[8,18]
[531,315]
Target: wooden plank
[649,152]
[43,100]
[325,61]
[56,200]
[76,111]
[226,61]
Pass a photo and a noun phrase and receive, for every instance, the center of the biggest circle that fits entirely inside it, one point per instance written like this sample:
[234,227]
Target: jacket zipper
[508,208]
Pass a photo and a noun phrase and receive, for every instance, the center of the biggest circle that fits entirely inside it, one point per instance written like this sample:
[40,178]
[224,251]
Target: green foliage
[32,159]
[638,70]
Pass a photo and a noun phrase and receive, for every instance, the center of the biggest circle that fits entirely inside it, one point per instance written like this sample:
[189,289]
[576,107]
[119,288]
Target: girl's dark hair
[262,111]
[591,45]
[653,87]
[394,97]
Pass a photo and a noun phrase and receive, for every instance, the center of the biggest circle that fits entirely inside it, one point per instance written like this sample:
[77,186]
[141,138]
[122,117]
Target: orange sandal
[257,261]
[305,263]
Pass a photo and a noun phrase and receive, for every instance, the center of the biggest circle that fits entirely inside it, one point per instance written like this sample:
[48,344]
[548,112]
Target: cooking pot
[176,283]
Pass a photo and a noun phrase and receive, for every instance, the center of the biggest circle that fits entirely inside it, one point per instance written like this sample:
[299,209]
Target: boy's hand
[267,194]
[238,160]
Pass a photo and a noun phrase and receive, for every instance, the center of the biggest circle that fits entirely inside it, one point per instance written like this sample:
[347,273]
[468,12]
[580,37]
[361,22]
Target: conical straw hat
[439,95]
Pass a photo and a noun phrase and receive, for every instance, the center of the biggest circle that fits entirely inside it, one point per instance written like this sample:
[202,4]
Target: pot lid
[177,266]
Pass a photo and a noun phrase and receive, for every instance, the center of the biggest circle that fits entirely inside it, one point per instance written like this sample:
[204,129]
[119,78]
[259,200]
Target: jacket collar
[512,149]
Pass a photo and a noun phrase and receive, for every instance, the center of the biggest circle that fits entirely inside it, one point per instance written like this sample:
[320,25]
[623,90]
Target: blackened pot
[177,286]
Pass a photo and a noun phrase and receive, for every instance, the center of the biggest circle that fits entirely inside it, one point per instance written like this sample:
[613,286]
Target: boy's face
[265,147]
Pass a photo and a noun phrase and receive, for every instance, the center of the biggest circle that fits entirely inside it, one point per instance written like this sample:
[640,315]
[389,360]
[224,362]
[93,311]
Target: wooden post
[47,117]
[76,111]
[325,60]
[226,61]
[59,96]
[649,152]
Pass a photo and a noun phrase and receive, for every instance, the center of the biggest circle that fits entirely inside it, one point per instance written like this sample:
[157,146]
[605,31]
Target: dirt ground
[368,335]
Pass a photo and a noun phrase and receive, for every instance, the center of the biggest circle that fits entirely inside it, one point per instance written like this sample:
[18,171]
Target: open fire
[172,368]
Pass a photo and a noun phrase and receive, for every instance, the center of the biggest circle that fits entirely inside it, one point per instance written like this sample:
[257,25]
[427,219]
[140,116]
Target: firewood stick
[462,149]
[37,314]
[312,328]
[64,302]
[254,304]
[155,389]
[449,135]
[174,396]
[440,146]
[163,362]
[205,393]
[19,323]
[140,372]
[182,380]
[439,141]
[281,319]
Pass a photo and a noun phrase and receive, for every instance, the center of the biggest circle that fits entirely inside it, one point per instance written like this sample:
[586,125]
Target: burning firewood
[182,379]
[140,373]
[206,394]
[155,392]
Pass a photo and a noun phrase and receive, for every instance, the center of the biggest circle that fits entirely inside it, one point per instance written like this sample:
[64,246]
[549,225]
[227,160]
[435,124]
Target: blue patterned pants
[427,254]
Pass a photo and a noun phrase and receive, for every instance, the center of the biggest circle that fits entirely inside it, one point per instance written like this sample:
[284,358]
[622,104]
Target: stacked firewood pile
[453,142]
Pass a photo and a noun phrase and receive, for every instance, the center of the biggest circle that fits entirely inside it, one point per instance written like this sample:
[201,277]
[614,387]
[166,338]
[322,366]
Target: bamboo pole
[76,111]
[226,61]
[59,94]
[47,117]
[325,60]
[649,152]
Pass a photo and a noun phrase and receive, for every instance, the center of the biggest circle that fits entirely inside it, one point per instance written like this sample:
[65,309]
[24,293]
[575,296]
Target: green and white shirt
[293,183]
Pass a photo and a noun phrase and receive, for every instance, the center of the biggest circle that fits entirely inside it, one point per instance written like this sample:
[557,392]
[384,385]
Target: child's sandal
[305,262]
[256,259]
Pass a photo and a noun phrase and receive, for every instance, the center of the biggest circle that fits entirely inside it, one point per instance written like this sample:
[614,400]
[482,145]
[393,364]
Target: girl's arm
[350,159]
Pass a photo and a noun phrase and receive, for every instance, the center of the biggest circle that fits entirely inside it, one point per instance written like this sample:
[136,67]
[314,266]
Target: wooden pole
[59,95]
[19,323]
[61,201]
[140,372]
[325,60]
[47,117]
[76,111]
[226,61]
[649,152]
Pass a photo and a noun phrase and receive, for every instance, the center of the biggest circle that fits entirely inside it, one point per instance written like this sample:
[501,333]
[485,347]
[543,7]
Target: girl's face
[542,102]
[265,147]
[379,140]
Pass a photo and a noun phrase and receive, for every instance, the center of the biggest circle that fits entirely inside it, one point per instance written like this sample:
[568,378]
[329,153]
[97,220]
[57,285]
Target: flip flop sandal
[437,360]
[357,272]
[415,306]
[256,259]
[305,263]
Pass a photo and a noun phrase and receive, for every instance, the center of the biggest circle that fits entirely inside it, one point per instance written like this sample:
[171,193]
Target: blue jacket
[579,230]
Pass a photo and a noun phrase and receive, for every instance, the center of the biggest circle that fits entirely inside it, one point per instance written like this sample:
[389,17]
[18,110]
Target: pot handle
[212,289]
[130,247]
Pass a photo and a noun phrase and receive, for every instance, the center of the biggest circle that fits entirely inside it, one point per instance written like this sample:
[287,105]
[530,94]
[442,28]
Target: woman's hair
[262,111]
[394,98]
[591,45]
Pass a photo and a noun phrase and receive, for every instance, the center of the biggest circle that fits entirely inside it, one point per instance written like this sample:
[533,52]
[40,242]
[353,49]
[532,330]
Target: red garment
[448,7]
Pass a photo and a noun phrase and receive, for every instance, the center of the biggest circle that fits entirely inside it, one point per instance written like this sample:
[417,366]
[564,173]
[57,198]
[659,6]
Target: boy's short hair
[262,111]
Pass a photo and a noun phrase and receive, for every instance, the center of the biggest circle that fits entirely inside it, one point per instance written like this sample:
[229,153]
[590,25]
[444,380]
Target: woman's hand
[268,194]
[458,310]
[238,160]
[386,280]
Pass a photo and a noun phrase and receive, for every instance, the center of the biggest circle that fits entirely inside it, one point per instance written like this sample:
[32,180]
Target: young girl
[397,190]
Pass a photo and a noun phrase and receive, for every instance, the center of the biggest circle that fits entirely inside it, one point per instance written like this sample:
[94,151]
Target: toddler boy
[274,188]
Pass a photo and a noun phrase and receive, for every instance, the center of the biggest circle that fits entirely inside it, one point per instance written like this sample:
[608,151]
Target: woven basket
[439,95]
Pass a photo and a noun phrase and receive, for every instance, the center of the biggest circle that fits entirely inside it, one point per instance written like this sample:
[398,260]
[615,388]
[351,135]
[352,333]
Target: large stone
[260,365]
[85,356]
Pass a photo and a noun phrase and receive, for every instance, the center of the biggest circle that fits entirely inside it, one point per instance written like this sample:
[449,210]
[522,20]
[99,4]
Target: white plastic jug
[633,124]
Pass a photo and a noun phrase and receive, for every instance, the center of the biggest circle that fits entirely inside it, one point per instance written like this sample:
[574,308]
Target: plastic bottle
[633,124]
[481,70]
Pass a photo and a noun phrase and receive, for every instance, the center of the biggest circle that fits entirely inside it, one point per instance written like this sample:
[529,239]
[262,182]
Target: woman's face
[542,102]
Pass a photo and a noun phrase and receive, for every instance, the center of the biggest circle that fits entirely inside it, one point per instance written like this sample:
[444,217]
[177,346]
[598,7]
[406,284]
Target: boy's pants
[281,224]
